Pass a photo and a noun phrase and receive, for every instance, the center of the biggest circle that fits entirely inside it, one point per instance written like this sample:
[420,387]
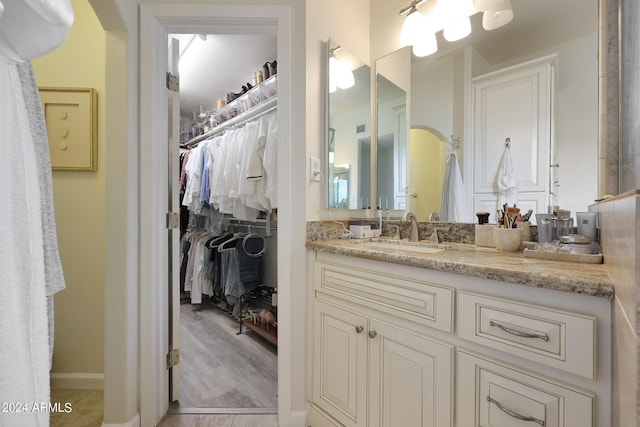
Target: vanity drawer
[409,298]
[559,339]
[492,394]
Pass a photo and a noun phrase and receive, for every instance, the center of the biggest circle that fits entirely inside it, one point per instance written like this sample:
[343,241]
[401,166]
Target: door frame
[156,21]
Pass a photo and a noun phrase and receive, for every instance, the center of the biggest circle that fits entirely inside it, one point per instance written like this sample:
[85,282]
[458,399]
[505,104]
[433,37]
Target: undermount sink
[403,247]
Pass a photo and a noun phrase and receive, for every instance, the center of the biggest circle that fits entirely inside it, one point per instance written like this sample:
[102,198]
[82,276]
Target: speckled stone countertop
[486,263]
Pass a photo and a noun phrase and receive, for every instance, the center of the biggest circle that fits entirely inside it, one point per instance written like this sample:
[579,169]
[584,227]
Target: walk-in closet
[228,322]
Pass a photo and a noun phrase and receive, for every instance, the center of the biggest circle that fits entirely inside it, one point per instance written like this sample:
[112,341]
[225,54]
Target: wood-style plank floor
[220,369]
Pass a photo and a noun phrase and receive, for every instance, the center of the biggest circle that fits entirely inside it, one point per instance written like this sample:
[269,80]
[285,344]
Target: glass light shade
[498,16]
[333,70]
[339,75]
[427,45]
[411,28]
[345,79]
[457,30]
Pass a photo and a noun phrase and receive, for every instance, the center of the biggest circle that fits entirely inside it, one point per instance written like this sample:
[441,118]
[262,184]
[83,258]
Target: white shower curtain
[29,262]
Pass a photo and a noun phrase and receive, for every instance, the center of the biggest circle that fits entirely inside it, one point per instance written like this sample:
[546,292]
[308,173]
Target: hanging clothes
[234,173]
[29,261]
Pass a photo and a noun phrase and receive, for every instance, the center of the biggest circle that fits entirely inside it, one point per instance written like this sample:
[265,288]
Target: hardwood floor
[220,369]
[219,421]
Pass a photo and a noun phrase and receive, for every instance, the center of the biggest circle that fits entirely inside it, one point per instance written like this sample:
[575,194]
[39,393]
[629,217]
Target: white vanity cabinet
[368,369]
[397,345]
[492,394]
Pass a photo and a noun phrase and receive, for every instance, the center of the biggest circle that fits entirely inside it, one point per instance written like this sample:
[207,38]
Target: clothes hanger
[214,242]
[223,246]
[253,235]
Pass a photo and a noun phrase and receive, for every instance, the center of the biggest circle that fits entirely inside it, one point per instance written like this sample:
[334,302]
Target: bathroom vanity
[454,335]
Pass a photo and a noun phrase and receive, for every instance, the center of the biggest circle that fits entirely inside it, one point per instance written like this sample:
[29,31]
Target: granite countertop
[486,263]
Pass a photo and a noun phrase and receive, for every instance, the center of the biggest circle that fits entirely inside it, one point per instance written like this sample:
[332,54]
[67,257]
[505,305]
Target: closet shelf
[262,108]
[254,112]
[270,335]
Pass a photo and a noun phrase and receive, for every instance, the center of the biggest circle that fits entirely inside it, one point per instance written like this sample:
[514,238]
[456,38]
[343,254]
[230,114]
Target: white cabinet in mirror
[348,129]
[440,100]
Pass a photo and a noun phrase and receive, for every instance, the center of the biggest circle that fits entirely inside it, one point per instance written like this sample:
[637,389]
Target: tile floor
[86,411]
[85,408]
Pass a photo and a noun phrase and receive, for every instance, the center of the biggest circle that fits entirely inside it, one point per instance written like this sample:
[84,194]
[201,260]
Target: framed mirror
[348,129]
[440,98]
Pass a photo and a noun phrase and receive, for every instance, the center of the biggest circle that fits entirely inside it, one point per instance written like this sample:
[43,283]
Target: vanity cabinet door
[494,395]
[410,379]
[340,365]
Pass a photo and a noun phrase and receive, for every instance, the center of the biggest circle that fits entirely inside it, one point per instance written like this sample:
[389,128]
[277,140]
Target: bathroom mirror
[392,84]
[348,129]
[439,99]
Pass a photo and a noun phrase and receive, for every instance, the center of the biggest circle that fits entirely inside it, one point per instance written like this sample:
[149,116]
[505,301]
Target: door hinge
[173,358]
[173,82]
[173,220]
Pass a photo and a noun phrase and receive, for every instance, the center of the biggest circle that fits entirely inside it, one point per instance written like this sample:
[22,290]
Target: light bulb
[411,28]
[427,45]
[498,16]
[457,30]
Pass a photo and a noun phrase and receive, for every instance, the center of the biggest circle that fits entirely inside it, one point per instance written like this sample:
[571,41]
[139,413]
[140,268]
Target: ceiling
[222,63]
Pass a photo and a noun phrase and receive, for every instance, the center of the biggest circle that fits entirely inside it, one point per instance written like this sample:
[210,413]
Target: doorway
[228,230]
[156,21]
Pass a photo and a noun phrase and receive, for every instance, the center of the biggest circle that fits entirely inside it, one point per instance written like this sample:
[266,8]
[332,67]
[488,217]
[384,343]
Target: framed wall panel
[71,116]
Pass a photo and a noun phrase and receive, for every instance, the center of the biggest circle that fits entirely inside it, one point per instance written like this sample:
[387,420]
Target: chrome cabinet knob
[359,329]
[372,334]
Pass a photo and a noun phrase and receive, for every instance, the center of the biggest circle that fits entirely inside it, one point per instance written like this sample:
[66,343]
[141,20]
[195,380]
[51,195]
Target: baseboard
[133,422]
[77,381]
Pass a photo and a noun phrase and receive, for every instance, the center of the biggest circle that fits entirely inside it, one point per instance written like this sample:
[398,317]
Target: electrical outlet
[314,169]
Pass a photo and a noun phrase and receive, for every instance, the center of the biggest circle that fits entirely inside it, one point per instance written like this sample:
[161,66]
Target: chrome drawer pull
[514,414]
[543,337]
[359,329]
[372,334]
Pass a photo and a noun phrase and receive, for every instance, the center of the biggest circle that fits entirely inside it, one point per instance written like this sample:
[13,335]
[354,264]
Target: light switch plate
[314,169]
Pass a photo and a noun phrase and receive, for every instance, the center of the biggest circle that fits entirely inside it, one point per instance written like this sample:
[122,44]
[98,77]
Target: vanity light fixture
[340,75]
[451,16]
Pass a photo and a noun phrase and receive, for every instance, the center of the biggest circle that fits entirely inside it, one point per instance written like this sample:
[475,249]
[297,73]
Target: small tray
[563,256]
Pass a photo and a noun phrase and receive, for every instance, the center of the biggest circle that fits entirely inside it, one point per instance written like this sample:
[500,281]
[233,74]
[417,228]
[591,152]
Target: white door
[410,379]
[514,103]
[173,227]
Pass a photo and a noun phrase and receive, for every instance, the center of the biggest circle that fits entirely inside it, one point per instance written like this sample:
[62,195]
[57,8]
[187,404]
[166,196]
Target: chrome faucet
[413,234]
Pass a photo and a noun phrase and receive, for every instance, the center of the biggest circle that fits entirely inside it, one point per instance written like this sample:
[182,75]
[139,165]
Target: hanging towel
[29,260]
[507,180]
[453,208]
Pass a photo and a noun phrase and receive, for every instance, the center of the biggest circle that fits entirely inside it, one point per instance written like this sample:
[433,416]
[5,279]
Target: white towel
[507,181]
[453,208]
[29,264]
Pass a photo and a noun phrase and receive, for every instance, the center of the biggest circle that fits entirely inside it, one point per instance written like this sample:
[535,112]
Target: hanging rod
[256,112]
